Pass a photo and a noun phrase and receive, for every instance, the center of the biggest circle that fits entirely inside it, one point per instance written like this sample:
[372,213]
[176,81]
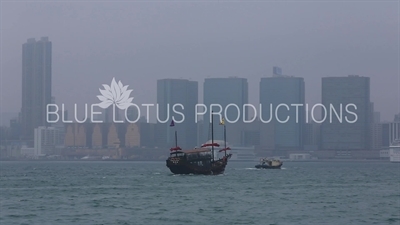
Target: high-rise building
[377,117]
[36,85]
[337,93]
[288,90]
[376,138]
[225,91]
[46,139]
[312,136]
[169,93]
[76,135]
[132,114]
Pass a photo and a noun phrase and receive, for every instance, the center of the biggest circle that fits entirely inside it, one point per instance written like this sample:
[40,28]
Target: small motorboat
[266,163]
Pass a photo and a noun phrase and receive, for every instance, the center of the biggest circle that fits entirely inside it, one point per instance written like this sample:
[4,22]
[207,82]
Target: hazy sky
[140,42]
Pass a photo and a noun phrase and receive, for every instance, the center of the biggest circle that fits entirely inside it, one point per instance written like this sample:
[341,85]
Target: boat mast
[176,139]
[212,135]
[225,138]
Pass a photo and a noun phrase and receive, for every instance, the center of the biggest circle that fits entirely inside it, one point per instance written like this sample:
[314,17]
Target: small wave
[177,175]
[22,216]
[392,219]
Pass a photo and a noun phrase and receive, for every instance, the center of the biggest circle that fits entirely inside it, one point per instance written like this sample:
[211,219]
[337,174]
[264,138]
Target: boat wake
[250,168]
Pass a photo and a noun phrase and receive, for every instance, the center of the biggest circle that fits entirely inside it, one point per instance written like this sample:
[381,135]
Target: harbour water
[147,193]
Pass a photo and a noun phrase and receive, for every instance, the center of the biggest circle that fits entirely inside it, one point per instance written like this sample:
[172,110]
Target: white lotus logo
[116,94]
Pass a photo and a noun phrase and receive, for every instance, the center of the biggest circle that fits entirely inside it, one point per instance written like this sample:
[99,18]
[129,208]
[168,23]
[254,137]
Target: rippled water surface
[147,193]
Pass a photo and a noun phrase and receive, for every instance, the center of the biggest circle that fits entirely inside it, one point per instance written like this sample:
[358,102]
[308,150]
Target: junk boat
[198,160]
[266,163]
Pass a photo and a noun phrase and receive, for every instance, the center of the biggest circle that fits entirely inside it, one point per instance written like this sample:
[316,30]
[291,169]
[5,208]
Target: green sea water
[147,193]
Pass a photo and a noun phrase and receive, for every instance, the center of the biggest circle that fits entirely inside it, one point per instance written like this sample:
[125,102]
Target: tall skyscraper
[342,135]
[36,85]
[281,89]
[177,91]
[225,91]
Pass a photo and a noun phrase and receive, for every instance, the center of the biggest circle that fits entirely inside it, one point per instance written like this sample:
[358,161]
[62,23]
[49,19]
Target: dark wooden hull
[183,166]
[268,166]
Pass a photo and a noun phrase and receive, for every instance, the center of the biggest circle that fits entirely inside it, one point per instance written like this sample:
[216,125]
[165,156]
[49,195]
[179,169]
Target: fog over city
[141,42]
[199,112]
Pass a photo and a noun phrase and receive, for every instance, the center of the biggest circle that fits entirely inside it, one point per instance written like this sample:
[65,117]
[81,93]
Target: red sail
[225,149]
[209,145]
[175,149]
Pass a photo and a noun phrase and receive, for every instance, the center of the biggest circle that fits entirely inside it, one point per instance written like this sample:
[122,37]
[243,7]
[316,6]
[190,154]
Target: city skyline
[223,98]
[360,38]
[69,107]
[120,114]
